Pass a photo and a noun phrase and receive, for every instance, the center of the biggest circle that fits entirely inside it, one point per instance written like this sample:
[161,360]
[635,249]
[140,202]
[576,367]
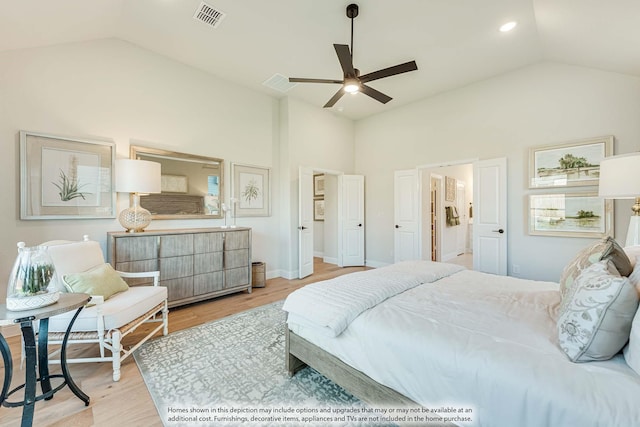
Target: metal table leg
[63,363]
[8,368]
[30,374]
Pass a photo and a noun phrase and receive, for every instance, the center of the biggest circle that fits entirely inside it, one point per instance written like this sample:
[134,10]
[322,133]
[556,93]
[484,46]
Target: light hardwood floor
[127,402]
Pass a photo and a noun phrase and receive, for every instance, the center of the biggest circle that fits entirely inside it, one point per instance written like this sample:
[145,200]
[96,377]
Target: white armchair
[107,322]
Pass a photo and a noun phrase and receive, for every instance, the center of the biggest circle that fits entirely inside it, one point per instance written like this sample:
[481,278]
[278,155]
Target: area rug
[232,372]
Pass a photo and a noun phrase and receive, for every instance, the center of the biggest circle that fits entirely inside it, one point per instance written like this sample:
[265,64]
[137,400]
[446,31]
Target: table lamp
[620,179]
[136,177]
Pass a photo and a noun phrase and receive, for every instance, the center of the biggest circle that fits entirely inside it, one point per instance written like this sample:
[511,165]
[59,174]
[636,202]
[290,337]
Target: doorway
[446,218]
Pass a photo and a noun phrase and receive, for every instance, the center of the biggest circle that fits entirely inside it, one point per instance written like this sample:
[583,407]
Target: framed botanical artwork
[318,185]
[251,188]
[565,165]
[318,210]
[450,189]
[570,215]
[66,178]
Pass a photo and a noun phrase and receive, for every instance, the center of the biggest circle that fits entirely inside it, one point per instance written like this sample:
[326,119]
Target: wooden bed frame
[300,352]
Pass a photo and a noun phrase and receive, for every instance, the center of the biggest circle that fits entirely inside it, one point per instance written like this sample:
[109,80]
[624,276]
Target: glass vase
[31,283]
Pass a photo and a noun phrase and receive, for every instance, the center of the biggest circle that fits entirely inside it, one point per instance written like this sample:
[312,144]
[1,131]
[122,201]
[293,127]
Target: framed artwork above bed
[570,215]
[570,164]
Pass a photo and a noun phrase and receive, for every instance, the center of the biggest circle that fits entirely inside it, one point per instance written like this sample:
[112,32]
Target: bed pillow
[595,318]
[606,248]
[101,280]
[632,350]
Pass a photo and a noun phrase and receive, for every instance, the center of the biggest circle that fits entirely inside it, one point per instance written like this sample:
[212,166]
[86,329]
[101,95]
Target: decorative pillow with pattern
[606,248]
[596,314]
[632,350]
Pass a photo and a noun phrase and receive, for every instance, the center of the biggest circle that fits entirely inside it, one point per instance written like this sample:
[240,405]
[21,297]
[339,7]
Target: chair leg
[115,353]
[165,319]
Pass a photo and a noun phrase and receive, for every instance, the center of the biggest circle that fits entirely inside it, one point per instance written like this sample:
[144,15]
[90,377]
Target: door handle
[398,226]
[359,225]
[302,227]
[498,231]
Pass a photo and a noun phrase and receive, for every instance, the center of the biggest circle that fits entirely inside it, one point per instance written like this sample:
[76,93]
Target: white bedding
[331,305]
[486,342]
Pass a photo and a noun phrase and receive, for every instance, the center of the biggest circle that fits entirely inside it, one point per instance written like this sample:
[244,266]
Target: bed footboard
[300,352]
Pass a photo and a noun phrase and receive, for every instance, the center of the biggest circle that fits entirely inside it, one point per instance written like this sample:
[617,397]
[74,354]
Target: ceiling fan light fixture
[351,85]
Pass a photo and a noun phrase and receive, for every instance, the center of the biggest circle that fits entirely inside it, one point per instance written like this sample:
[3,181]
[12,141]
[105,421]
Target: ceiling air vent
[209,15]
[279,83]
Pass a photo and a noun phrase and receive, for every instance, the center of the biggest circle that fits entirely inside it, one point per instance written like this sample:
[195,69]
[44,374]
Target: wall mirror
[192,186]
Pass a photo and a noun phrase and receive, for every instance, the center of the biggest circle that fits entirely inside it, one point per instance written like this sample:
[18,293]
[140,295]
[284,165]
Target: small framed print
[251,189]
[318,210]
[450,189]
[66,178]
[318,185]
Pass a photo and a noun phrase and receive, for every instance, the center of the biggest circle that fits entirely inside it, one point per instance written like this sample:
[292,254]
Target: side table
[67,302]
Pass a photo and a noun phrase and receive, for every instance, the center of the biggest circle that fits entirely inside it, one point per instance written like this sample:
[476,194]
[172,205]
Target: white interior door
[406,216]
[305,222]
[490,216]
[351,216]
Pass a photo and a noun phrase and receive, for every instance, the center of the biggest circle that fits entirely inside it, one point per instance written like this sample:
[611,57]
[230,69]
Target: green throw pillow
[102,280]
[606,248]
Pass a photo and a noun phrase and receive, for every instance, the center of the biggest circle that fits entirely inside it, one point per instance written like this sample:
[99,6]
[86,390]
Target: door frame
[429,169]
[316,170]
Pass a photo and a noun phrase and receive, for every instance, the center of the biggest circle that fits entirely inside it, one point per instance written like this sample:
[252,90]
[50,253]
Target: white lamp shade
[137,176]
[620,177]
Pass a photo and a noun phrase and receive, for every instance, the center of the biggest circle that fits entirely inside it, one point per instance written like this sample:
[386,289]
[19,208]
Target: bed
[446,337]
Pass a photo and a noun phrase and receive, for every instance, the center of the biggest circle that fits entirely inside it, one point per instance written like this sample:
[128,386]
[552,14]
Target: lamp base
[135,218]
[633,235]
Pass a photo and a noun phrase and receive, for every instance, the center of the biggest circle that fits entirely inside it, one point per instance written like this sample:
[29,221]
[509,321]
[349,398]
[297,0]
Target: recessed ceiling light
[508,26]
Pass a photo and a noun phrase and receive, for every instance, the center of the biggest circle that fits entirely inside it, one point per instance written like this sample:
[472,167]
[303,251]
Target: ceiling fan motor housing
[352,11]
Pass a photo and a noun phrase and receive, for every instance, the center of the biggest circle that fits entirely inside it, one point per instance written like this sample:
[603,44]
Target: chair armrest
[154,274]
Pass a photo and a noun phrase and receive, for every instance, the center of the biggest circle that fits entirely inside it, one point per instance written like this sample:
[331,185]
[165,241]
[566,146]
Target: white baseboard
[318,254]
[330,260]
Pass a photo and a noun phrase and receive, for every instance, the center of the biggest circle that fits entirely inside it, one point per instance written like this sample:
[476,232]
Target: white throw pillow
[632,350]
[634,277]
[596,315]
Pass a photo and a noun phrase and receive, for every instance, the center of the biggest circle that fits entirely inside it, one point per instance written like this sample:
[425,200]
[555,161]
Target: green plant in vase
[35,279]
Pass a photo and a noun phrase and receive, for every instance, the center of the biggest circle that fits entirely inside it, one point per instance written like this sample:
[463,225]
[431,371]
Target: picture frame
[318,210]
[318,185]
[174,184]
[570,164]
[66,178]
[250,190]
[450,189]
[570,215]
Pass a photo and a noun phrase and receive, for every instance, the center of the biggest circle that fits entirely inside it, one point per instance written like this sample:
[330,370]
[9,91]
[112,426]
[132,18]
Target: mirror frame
[138,150]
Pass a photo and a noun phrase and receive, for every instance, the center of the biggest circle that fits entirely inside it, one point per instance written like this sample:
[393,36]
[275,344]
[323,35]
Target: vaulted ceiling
[454,42]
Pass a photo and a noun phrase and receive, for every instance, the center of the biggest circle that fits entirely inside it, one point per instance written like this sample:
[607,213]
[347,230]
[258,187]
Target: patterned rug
[232,372]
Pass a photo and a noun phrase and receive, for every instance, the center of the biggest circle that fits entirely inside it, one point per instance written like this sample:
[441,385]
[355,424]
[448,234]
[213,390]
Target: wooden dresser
[194,264]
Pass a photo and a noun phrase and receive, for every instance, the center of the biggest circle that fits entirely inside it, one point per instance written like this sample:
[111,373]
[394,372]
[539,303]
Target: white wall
[500,117]
[110,89]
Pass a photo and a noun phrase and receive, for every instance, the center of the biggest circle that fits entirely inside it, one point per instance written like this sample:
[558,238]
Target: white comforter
[489,343]
[331,305]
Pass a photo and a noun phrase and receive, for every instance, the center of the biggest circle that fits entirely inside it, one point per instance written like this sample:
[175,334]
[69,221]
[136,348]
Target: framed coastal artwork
[318,210]
[251,190]
[66,178]
[570,215]
[450,189]
[568,165]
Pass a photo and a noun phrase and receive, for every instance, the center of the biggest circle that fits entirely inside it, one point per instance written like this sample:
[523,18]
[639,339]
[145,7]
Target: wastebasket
[258,279]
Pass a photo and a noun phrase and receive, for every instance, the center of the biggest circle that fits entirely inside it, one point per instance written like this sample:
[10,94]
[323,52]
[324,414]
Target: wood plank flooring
[127,402]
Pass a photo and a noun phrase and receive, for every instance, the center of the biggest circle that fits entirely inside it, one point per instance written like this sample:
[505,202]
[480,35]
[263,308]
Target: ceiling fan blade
[378,96]
[391,71]
[303,80]
[334,99]
[344,56]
